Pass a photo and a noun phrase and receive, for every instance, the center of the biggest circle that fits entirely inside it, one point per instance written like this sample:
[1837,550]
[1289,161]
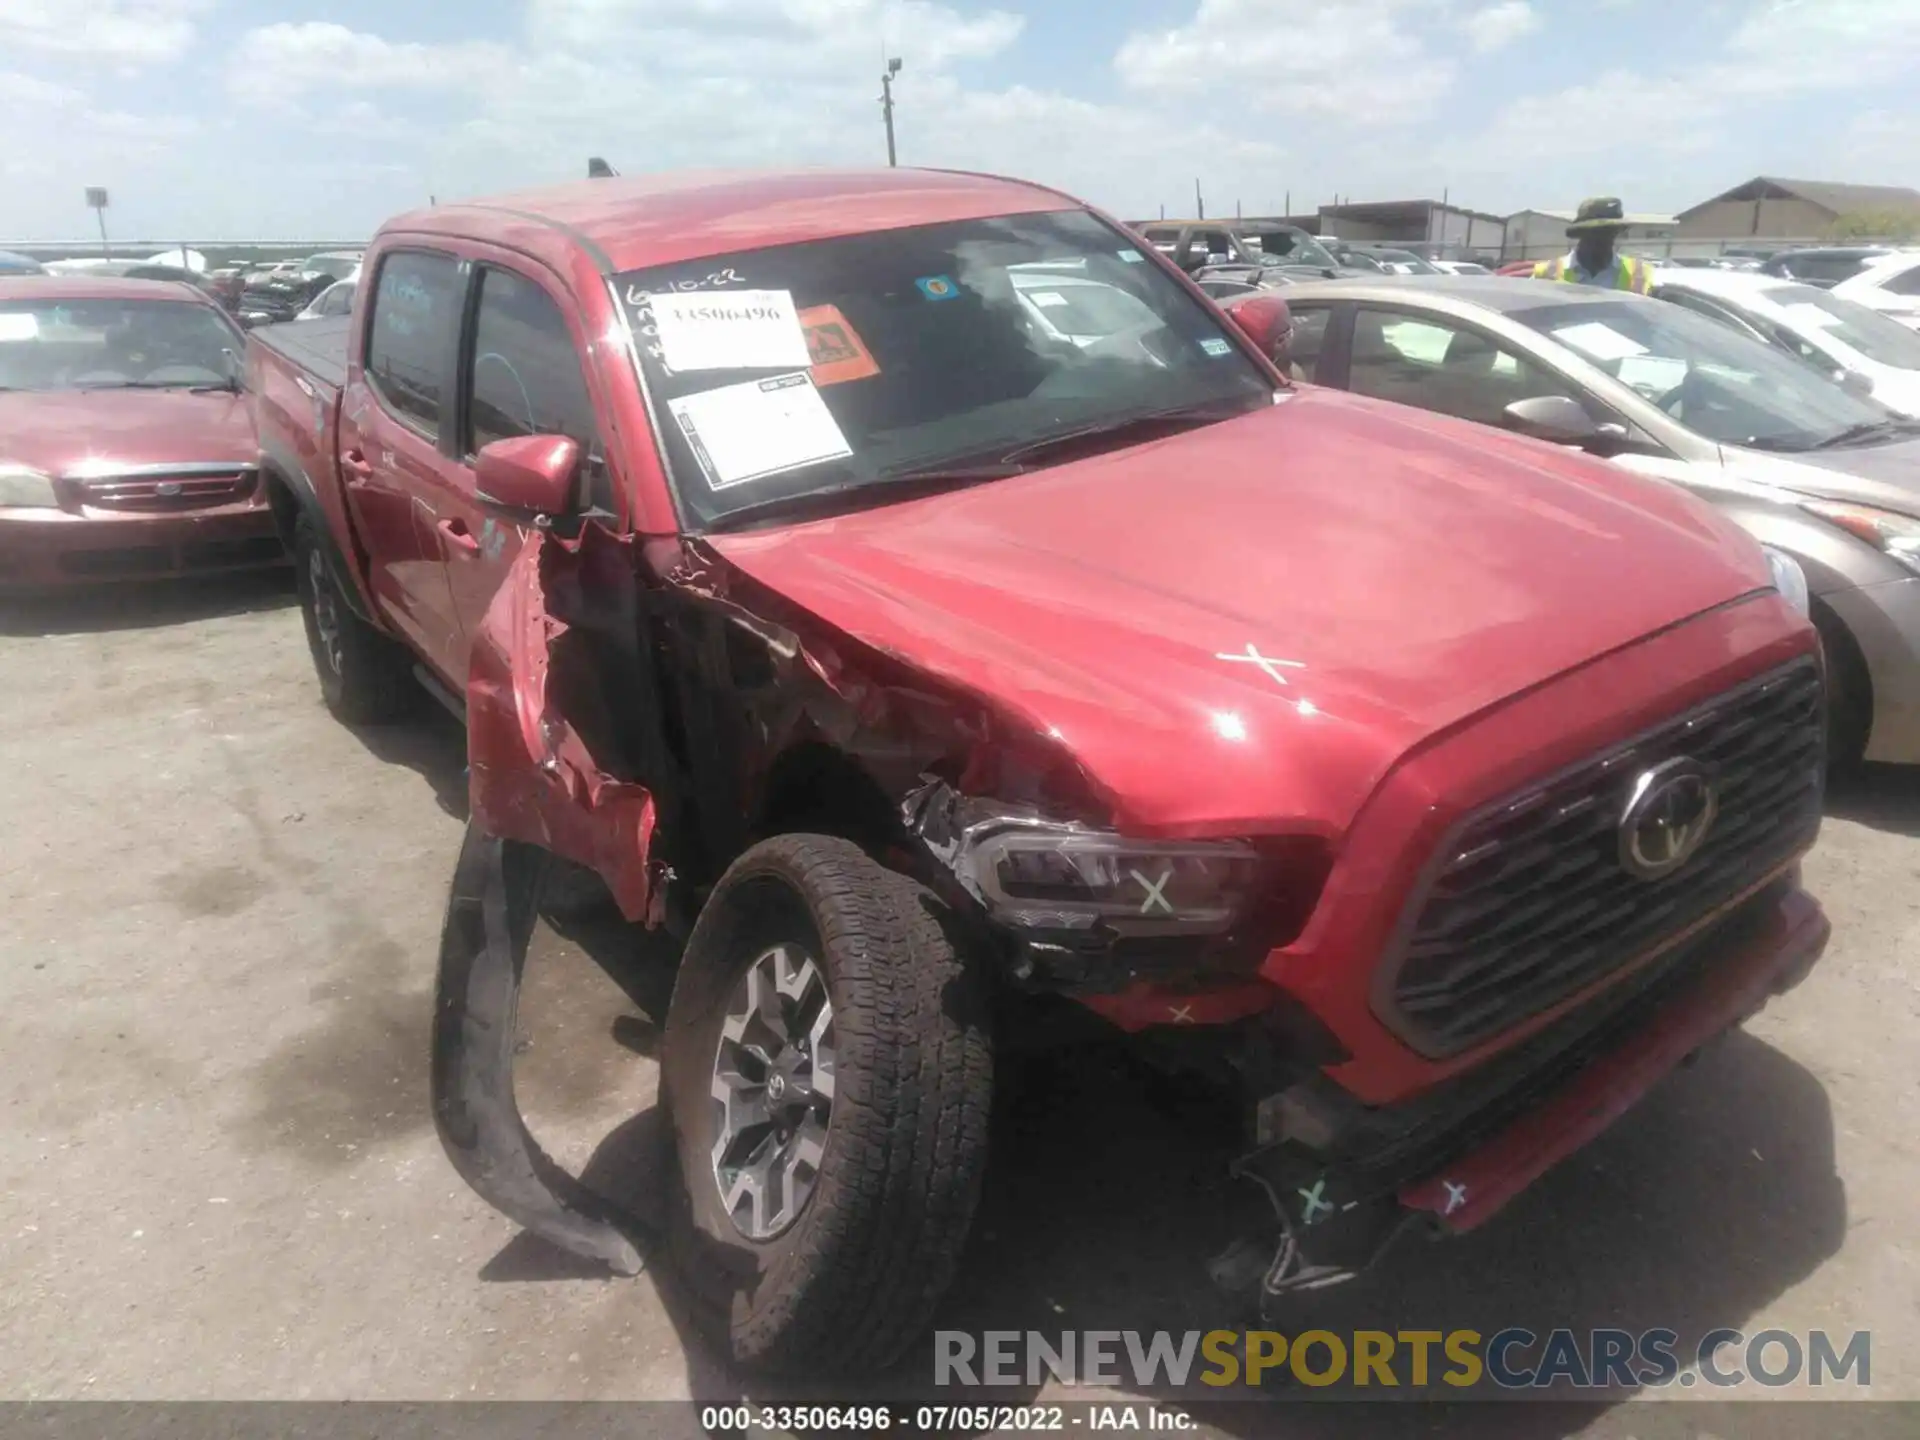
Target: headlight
[21,485]
[1044,875]
[1895,535]
[1789,579]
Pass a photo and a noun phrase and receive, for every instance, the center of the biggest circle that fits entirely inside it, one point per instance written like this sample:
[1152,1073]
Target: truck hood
[1241,628]
[1883,475]
[62,430]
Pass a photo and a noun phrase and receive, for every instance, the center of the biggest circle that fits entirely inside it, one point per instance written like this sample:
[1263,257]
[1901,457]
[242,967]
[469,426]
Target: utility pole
[886,105]
[1199,205]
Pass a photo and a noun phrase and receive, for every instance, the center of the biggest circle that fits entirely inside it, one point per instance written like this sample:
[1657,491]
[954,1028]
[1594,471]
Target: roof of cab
[104,287]
[631,222]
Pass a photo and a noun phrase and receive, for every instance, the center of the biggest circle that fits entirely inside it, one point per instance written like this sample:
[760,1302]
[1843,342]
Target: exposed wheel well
[1849,689]
[282,502]
[817,788]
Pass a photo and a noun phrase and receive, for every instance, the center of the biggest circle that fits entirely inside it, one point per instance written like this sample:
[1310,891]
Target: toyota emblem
[1669,812]
[167,489]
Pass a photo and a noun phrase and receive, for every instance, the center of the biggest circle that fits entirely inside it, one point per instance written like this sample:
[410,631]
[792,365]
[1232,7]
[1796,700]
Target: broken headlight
[1045,875]
[23,486]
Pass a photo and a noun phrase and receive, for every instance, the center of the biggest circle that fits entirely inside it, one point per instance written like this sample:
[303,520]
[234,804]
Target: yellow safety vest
[1628,273]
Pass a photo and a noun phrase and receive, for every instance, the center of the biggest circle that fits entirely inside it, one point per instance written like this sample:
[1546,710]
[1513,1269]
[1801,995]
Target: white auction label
[729,330]
[759,428]
[20,325]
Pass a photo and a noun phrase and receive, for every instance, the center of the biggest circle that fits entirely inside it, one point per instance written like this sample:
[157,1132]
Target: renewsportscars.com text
[1512,1359]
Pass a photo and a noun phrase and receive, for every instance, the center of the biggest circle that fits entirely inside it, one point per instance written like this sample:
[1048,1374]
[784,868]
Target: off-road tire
[855,1278]
[1849,693]
[365,677]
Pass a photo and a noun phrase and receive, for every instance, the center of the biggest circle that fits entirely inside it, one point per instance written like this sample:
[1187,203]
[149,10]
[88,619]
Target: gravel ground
[219,1178]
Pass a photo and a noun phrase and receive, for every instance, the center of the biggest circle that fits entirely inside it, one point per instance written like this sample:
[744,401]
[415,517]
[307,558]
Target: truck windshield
[1288,247]
[837,367]
[55,344]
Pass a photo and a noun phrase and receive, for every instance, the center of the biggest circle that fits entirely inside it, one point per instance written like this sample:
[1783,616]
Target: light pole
[886,105]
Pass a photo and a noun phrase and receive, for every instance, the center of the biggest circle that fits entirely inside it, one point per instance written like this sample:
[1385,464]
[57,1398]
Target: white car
[1890,285]
[1861,348]
[1461,267]
[336,299]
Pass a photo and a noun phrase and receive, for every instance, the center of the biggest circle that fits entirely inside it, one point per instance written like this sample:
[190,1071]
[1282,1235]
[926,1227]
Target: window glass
[525,375]
[1814,314]
[1712,379]
[74,344]
[1436,365]
[1907,282]
[922,351]
[1309,334]
[414,314]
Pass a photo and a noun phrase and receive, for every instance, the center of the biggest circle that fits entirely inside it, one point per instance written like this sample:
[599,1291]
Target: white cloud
[1492,27]
[1359,59]
[121,33]
[76,141]
[278,64]
[1618,133]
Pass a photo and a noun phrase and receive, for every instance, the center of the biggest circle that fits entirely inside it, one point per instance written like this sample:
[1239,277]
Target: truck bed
[318,347]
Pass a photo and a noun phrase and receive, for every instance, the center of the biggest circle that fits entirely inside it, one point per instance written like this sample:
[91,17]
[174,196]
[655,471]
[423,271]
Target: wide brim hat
[1601,213]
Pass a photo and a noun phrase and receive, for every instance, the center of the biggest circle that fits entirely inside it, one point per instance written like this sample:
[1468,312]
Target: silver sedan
[1829,477]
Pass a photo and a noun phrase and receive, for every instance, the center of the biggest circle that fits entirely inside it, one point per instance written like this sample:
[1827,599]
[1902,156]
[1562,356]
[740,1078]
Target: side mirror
[1264,319]
[528,474]
[1558,418]
[1855,384]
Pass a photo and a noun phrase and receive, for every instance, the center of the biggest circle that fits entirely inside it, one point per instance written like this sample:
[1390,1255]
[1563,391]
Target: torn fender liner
[533,777]
[483,951]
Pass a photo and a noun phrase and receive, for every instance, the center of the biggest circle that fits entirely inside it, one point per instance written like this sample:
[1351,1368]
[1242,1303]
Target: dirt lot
[218,1175]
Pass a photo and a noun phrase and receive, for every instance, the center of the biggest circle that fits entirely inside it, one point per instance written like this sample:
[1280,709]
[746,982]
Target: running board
[431,684]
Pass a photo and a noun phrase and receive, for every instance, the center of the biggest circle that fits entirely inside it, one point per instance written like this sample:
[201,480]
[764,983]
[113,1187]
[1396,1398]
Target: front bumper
[1885,621]
[48,549]
[1345,1178]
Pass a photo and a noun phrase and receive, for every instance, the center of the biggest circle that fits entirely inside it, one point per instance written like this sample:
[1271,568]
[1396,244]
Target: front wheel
[828,1071]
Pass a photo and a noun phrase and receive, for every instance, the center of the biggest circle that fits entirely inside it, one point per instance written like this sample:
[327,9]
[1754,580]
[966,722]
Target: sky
[297,119]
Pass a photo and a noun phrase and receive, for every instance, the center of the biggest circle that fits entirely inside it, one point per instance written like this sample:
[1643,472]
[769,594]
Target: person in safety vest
[1596,225]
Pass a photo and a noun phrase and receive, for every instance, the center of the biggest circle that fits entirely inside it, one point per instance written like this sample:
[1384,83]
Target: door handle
[457,535]
[359,470]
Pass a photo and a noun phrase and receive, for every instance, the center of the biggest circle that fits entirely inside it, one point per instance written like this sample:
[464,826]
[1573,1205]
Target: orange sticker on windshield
[834,347]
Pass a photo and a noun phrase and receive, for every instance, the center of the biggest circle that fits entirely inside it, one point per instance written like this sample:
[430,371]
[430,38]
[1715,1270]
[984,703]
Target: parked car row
[915,591]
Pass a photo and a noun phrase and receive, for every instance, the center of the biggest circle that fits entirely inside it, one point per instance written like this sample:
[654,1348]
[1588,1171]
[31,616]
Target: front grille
[159,494]
[1530,903]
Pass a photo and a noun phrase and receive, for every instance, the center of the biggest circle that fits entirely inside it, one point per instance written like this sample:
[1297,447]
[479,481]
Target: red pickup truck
[924,656]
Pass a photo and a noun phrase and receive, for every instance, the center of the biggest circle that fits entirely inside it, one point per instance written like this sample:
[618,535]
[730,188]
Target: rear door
[520,373]
[396,407]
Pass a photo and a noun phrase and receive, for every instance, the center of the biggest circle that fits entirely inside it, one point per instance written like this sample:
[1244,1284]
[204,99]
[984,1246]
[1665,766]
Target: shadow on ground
[1885,797]
[431,743]
[145,604]
[1108,1196]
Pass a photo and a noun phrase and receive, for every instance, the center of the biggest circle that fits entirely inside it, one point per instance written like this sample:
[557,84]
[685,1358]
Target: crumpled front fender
[532,776]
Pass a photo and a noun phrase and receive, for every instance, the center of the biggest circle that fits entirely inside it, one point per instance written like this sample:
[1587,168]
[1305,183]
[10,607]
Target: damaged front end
[1345,1179]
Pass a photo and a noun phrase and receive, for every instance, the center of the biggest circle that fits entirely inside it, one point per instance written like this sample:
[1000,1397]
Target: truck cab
[917,661]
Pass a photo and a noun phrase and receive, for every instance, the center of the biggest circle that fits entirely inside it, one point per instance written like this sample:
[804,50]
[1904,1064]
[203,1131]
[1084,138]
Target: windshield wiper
[1866,430]
[835,498]
[1171,420]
